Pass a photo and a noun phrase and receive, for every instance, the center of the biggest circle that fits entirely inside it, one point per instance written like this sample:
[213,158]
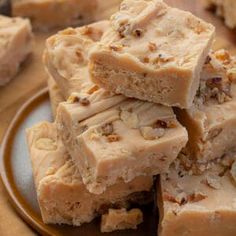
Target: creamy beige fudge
[120,219]
[15,45]
[88,101]
[211,121]
[225,9]
[130,139]
[194,205]
[55,95]
[62,196]
[152,52]
[66,57]
[48,14]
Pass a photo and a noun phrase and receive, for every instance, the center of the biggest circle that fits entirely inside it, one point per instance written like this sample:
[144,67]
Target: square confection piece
[45,15]
[15,44]
[152,52]
[66,57]
[55,95]
[91,102]
[211,121]
[225,9]
[62,196]
[130,139]
[194,205]
[120,219]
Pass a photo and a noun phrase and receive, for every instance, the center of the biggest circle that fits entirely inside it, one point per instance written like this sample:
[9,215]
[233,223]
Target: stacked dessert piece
[104,148]
[16,43]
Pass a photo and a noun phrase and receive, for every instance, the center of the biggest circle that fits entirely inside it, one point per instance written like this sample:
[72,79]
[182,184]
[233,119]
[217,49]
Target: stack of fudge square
[138,96]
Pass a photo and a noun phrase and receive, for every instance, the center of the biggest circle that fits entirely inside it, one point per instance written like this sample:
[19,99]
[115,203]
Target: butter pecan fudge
[62,196]
[120,219]
[211,121]
[15,44]
[48,14]
[66,57]
[194,205]
[152,52]
[88,101]
[225,9]
[130,139]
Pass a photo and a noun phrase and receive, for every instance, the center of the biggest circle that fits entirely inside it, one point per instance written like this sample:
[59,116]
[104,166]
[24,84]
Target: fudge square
[49,14]
[152,52]
[211,121]
[225,9]
[66,57]
[15,45]
[130,139]
[194,205]
[62,196]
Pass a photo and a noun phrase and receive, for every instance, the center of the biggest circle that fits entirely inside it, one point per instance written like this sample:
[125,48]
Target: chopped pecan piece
[138,33]
[164,124]
[113,138]
[152,46]
[84,101]
[73,99]
[196,197]
[93,89]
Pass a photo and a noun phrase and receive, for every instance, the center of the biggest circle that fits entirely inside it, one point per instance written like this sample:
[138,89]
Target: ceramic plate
[17,176]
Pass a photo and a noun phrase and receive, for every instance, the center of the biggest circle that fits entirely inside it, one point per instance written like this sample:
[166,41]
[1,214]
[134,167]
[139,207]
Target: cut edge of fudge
[62,197]
[211,119]
[121,219]
[86,139]
[197,204]
[119,62]
[16,43]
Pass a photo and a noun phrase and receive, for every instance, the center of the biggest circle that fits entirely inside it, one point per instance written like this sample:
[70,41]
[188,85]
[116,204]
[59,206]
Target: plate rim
[13,194]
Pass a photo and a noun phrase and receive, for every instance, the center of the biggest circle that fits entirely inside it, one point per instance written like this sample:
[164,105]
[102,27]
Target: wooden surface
[33,78]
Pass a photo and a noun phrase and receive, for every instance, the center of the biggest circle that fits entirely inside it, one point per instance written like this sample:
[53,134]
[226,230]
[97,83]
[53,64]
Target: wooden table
[32,77]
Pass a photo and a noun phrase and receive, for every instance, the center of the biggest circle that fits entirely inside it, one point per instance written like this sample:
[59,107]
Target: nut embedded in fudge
[121,219]
[211,120]
[62,196]
[15,44]
[152,52]
[197,204]
[130,139]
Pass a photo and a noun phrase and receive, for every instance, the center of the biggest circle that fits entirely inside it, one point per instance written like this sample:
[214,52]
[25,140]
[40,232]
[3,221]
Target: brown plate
[17,176]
